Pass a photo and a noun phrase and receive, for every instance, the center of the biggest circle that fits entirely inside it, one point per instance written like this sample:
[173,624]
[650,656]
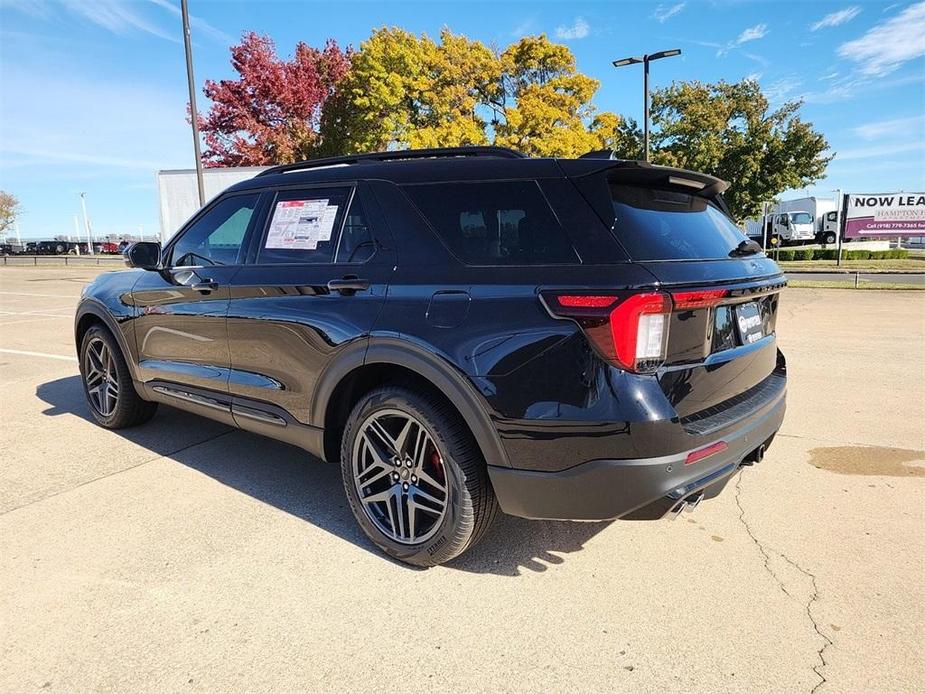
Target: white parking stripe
[30,320]
[22,352]
[38,313]
[54,296]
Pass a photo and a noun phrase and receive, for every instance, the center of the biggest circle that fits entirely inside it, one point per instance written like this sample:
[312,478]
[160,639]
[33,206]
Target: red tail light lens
[701,298]
[630,330]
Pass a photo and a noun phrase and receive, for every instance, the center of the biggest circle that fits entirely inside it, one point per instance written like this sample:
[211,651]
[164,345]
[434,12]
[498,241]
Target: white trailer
[178,192]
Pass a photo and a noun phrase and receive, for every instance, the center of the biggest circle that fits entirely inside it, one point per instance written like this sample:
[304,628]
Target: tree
[545,108]
[272,114]
[9,210]
[729,131]
[410,91]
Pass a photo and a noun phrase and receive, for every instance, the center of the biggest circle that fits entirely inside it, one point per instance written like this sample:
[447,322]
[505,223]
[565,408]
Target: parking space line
[37,313]
[45,355]
[54,296]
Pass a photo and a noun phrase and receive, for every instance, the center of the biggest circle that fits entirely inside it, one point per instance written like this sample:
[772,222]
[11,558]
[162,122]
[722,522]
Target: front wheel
[414,477]
[107,382]
[830,237]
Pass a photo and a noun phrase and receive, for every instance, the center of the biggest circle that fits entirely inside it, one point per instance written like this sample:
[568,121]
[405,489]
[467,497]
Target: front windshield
[801,218]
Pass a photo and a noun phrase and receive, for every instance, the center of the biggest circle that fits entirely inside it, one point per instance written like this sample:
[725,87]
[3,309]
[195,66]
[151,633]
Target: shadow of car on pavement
[293,481]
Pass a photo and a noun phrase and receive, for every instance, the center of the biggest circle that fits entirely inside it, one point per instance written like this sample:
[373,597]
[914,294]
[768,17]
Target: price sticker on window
[301,224]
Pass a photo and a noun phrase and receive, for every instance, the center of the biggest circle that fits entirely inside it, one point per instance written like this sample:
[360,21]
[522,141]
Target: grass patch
[826,284]
[891,264]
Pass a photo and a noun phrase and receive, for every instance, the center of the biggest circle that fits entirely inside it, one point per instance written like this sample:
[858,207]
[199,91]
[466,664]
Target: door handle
[348,285]
[204,287]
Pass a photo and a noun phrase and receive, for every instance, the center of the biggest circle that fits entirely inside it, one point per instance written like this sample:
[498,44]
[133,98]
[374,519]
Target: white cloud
[889,44]
[877,151]
[754,76]
[527,26]
[778,91]
[759,31]
[578,30]
[665,12]
[835,19]
[196,22]
[894,127]
[121,17]
[118,18]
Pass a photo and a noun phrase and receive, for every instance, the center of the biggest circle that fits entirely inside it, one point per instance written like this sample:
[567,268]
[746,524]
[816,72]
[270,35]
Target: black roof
[464,164]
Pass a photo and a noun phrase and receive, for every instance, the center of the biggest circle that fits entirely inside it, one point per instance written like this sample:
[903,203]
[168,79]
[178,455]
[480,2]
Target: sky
[93,93]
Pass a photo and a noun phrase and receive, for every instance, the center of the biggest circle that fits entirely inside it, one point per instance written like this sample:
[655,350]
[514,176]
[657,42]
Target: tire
[107,383]
[440,449]
[830,238]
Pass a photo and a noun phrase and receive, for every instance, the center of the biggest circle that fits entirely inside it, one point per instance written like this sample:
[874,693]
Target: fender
[90,306]
[435,368]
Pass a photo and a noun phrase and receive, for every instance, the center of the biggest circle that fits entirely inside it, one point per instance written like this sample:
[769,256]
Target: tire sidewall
[447,537]
[124,377]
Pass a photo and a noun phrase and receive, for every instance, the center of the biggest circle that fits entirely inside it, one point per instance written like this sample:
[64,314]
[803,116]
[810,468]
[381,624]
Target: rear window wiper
[746,247]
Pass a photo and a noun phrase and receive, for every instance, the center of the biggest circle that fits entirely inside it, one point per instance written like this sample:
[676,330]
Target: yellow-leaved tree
[405,90]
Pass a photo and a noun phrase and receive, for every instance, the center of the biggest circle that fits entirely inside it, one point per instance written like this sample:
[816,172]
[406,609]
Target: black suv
[462,330]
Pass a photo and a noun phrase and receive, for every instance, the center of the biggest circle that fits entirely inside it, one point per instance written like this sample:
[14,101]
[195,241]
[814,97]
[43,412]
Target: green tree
[9,210]
[409,91]
[730,131]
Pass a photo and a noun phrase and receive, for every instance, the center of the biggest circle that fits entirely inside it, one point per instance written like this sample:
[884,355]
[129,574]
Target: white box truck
[803,220]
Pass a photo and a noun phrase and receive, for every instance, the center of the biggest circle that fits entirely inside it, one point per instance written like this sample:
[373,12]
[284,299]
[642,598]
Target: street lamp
[83,206]
[191,83]
[645,60]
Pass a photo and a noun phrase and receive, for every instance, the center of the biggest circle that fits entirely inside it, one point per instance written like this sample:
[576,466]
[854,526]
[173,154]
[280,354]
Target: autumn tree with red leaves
[272,114]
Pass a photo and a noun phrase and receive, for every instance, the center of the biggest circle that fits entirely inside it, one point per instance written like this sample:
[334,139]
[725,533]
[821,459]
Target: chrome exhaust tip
[693,503]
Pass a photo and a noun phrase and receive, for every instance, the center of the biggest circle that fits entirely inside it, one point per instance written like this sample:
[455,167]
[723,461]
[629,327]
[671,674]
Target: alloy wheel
[400,477]
[101,377]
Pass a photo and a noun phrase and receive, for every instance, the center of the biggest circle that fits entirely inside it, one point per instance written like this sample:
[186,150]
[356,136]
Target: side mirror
[143,254]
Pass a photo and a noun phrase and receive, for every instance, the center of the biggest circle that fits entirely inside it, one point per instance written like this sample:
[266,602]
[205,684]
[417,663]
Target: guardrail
[64,260]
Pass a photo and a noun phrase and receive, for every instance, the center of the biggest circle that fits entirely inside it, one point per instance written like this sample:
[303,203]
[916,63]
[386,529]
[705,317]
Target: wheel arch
[91,313]
[390,360]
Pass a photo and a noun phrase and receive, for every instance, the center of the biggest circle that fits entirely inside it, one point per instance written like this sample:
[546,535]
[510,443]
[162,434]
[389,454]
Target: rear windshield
[494,223]
[657,224]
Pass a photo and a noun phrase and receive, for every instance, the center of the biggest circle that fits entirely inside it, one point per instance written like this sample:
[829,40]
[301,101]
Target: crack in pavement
[812,577]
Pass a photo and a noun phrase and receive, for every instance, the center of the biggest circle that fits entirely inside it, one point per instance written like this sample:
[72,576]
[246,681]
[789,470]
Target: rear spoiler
[633,171]
[583,172]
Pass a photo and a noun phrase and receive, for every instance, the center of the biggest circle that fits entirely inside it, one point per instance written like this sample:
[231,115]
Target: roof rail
[398,155]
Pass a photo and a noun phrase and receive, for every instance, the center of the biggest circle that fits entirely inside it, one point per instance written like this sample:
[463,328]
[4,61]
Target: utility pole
[839,224]
[194,114]
[83,205]
[645,60]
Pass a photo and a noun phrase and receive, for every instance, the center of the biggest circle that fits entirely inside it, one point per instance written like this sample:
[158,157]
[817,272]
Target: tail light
[630,330]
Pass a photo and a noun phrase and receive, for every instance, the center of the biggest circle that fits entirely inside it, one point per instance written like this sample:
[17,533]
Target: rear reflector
[705,452]
[702,298]
[586,301]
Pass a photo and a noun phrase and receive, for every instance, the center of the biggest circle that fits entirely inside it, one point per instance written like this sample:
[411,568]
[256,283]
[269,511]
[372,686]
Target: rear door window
[494,223]
[303,226]
[655,224]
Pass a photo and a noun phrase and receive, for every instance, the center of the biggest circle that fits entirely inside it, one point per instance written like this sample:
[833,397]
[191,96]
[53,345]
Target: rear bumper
[646,488]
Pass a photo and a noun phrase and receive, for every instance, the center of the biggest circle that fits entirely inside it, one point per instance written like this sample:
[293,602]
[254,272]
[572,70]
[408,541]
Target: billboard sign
[884,214]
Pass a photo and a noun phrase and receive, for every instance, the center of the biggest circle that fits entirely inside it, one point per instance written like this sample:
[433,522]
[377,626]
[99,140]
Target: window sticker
[301,224]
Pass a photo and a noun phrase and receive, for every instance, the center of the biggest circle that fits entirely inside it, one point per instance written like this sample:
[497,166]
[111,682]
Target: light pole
[645,60]
[83,206]
[194,114]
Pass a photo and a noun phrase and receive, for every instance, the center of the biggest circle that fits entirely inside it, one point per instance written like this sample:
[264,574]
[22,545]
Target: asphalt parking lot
[186,556]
